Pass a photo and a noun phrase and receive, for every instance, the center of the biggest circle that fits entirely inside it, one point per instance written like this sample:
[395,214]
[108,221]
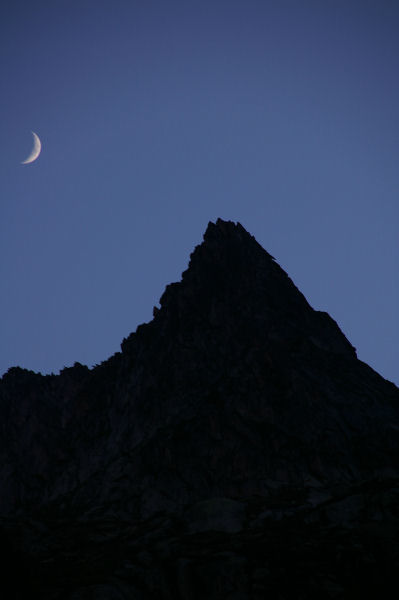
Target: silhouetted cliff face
[237,395]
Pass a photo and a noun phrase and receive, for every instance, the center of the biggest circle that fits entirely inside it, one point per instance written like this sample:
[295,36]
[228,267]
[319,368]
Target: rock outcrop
[235,447]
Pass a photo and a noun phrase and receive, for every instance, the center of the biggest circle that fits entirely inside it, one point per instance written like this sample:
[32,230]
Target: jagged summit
[227,252]
[225,234]
[232,279]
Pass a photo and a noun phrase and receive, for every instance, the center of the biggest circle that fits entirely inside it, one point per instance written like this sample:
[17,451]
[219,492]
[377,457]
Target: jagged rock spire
[230,277]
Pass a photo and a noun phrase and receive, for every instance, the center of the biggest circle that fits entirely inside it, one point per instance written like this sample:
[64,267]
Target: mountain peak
[231,279]
[224,238]
[224,231]
[237,412]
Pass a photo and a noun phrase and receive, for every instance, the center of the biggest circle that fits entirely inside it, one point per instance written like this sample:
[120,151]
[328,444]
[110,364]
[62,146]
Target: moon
[37,146]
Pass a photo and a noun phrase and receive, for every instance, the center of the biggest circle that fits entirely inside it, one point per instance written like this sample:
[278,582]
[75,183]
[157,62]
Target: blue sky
[159,116]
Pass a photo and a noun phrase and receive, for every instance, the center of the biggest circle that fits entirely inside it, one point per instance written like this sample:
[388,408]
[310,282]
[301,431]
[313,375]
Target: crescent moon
[37,146]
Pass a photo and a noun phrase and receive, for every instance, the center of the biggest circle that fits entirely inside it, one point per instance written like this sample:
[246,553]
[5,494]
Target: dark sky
[158,116]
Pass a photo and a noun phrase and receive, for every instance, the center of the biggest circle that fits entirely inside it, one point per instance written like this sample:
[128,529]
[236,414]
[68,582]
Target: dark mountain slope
[237,395]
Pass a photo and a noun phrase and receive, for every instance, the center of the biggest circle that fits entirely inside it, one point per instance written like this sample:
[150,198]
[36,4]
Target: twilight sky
[159,116]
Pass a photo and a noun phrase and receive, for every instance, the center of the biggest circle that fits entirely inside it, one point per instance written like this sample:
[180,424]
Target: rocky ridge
[235,447]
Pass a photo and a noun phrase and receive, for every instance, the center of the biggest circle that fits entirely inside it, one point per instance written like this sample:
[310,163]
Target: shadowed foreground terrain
[235,448]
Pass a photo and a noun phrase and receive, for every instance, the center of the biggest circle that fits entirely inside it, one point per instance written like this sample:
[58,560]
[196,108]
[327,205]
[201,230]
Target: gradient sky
[159,116]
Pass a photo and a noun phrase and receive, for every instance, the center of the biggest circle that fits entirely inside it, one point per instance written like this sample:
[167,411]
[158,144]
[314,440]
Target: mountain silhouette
[235,448]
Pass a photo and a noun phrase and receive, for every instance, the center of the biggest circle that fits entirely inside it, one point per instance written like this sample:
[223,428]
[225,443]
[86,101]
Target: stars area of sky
[156,117]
